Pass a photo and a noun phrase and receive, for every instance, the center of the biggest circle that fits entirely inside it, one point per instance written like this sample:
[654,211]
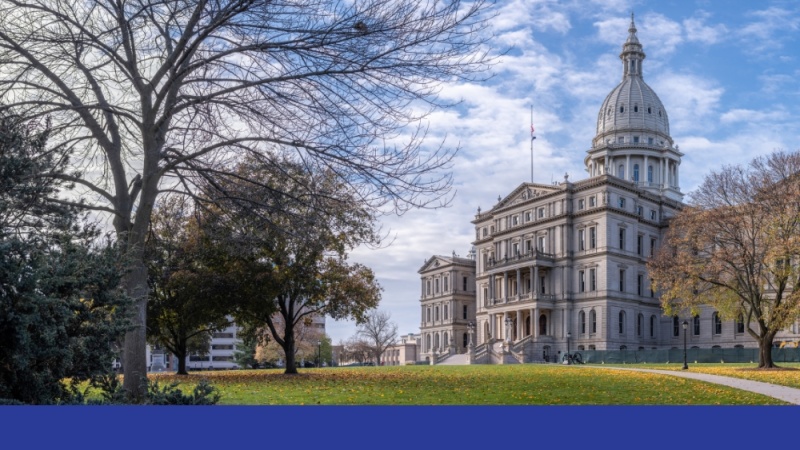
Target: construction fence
[693,355]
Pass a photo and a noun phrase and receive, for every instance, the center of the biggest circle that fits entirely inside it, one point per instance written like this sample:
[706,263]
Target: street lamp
[685,326]
[319,353]
[569,360]
[471,327]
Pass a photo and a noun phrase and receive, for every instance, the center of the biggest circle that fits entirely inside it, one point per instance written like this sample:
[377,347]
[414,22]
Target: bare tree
[736,248]
[153,95]
[355,349]
[379,331]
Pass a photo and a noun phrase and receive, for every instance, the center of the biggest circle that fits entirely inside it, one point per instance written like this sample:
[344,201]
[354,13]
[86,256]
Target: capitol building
[564,265]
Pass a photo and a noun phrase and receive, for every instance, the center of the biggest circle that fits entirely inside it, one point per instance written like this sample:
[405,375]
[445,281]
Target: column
[492,331]
[519,283]
[536,280]
[628,175]
[519,324]
[532,313]
[505,286]
[677,177]
[506,331]
[664,165]
[532,284]
[646,181]
[535,321]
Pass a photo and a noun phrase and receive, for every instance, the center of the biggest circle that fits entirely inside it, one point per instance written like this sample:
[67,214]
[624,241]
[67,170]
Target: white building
[565,264]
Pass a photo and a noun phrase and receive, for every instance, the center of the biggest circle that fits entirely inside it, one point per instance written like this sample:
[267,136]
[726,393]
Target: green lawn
[467,385]
[788,374]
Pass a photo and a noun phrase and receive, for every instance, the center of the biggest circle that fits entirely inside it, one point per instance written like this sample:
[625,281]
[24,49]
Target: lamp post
[569,360]
[685,326]
[319,353]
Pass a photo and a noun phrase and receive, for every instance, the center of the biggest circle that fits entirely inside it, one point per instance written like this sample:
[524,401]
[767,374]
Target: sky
[727,72]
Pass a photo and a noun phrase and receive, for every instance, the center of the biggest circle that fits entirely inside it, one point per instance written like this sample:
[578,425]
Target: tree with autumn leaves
[736,247]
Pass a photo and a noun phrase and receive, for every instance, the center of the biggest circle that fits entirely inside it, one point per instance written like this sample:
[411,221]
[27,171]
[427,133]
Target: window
[621,322]
[676,326]
[541,244]
[465,310]
[621,202]
[528,216]
[465,340]
[445,312]
[446,279]
[464,287]
[635,107]
[639,244]
[428,314]
[581,281]
[639,284]
[222,335]
[649,111]
[652,246]
[592,279]
[515,249]
[640,211]
[592,202]
[485,231]
[541,284]
[540,213]
[652,326]
[436,284]
[622,280]
[222,347]
[582,317]
[636,169]
[622,109]
[740,324]
[650,169]
[428,287]
[581,239]
[436,313]
[621,170]
[696,325]
[581,204]
[653,215]
[622,238]
[639,325]
[515,220]
[636,139]
[592,237]
[593,317]
[650,140]
[717,324]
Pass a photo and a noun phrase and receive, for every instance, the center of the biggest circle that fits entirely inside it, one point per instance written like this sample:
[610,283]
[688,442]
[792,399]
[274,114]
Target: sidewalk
[787,394]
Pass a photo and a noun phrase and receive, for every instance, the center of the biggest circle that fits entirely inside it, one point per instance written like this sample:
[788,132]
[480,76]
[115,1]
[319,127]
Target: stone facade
[447,304]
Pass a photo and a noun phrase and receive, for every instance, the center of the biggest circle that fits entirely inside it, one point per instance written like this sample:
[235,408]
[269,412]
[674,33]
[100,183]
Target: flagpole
[532,139]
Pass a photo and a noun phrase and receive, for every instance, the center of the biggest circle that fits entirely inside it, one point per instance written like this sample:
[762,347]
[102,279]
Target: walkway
[787,394]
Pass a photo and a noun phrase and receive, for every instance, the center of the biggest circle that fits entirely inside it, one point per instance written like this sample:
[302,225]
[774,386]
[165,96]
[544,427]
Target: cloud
[769,30]
[691,101]
[697,31]
[750,116]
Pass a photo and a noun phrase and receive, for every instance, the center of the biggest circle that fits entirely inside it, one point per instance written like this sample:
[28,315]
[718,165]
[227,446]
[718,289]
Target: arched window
[652,326]
[676,326]
[621,322]
[427,342]
[621,171]
[640,325]
[436,341]
[635,108]
[622,109]
[649,110]
[696,325]
[436,313]
[650,174]
[581,348]
[445,340]
[717,324]
[593,317]
[635,172]
[592,347]
[582,316]
[542,325]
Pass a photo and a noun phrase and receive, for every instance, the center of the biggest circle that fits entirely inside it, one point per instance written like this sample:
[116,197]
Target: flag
[532,131]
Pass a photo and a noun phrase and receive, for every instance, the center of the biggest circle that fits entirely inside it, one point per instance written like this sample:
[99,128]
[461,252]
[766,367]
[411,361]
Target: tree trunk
[765,352]
[288,350]
[135,346]
[182,364]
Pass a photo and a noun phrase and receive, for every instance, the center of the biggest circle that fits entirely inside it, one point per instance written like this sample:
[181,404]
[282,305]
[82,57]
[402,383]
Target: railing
[520,257]
[530,296]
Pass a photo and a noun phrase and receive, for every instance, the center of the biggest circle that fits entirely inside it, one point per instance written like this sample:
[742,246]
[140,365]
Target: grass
[787,374]
[466,385]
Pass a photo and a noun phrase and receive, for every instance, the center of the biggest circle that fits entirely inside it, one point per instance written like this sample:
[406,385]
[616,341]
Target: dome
[632,107]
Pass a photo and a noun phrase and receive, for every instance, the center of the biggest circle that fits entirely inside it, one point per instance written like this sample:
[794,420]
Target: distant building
[406,351]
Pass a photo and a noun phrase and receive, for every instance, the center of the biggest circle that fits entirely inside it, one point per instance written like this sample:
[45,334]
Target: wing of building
[565,264]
